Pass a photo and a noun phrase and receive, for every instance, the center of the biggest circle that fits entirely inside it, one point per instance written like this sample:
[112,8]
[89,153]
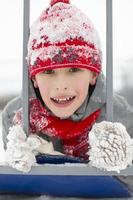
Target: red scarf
[73,134]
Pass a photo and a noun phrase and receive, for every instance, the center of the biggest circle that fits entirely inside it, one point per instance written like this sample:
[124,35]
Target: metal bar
[25,84]
[109,61]
[70,169]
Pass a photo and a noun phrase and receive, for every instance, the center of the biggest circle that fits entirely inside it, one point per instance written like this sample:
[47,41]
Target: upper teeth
[63,99]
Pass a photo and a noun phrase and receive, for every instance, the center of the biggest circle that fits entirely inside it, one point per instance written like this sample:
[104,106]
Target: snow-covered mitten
[21,150]
[111,147]
[19,153]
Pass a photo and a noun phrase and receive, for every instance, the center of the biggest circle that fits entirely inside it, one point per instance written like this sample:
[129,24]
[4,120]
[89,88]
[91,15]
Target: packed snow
[111,146]
[21,150]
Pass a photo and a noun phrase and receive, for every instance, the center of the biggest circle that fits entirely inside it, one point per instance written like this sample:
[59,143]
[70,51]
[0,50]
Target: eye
[50,71]
[74,69]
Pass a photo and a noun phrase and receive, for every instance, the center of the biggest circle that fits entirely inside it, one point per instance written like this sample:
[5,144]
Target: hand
[19,153]
[20,156]
[42,145]
[111,147]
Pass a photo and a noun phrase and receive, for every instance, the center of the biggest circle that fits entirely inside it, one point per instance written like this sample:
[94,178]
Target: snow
[21,150]
[61,22]
[111,146]
[19,153]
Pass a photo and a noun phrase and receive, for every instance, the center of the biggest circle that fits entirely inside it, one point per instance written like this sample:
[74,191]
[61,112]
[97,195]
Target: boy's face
[64,90]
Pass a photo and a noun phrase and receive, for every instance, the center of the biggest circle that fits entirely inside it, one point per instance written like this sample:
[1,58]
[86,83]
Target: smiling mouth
[64,101]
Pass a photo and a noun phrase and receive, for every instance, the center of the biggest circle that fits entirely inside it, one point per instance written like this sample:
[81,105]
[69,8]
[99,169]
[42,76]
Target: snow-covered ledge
[67,169]
[111,153]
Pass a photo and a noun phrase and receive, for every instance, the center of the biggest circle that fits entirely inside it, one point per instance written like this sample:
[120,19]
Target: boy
[65,61]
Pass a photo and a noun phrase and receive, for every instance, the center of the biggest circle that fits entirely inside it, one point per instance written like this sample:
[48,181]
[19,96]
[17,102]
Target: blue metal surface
[66,186]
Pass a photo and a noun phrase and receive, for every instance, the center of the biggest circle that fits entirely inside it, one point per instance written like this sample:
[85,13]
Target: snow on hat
[63,36]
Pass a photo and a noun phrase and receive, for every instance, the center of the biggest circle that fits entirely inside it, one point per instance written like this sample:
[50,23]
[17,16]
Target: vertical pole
[109,61]
[25,84]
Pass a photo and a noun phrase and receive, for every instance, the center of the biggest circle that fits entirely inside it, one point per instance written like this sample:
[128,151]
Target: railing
[25,83]
[68,169]
[109,95]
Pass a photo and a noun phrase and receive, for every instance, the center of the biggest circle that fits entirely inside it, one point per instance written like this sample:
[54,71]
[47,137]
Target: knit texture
[73,135]
[63,36]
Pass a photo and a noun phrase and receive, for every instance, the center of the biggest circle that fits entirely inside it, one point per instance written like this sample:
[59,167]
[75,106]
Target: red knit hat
[63,36]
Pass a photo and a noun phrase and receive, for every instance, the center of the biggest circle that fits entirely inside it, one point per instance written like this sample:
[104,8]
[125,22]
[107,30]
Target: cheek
[43,88]
[82,88]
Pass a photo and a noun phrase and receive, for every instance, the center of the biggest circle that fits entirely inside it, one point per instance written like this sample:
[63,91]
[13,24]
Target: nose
[65,88]
[61,83]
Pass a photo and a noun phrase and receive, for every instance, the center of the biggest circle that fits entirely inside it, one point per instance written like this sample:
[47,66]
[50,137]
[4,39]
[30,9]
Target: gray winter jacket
[123,113]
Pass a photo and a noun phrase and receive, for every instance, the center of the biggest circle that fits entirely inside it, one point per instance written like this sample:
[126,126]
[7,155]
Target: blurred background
[11,20]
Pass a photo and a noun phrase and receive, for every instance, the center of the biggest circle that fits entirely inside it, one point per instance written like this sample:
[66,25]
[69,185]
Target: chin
[63,116]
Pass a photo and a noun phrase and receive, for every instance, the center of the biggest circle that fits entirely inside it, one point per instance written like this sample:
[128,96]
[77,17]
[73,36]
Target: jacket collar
[96,101]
